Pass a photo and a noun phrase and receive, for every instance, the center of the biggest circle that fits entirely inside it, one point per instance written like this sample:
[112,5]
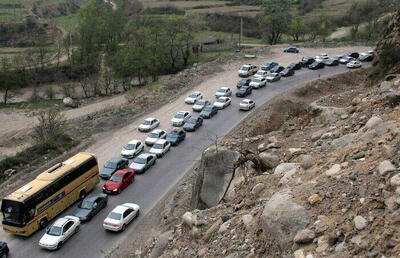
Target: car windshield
[147,122]
[221,100]
[154,135]
[130,146]
[114,215]
[193,95]
[256,80]
[111,164]
[245,68]
[179,115]
[201,102]
[221,90]
[54,231]
[86,205]
[140,160]
[158,146]
[116,178]
[260,72]
[207,108]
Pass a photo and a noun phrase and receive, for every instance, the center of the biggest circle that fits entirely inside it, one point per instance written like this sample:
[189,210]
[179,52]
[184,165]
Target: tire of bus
[43,223]
[82,194]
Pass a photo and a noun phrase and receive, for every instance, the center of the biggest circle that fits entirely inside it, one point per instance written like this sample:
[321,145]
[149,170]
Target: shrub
[49,91]
[51,124]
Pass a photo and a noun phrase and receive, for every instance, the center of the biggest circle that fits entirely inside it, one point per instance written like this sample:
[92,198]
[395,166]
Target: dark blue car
[4,249]
[268,66]
[113,165]
[176,136]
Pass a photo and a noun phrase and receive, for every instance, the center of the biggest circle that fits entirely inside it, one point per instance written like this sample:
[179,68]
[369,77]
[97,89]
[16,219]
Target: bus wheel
[43,223]
[82,194]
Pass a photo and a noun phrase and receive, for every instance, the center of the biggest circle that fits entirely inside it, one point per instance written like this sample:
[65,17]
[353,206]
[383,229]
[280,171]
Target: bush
[49,91]
[51,124]
[389,56]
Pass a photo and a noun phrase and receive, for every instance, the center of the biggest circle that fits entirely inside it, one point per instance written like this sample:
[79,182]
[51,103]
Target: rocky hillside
[313,175]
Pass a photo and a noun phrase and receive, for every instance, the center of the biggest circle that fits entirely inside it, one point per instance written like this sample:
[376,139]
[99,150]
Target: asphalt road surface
[92,240]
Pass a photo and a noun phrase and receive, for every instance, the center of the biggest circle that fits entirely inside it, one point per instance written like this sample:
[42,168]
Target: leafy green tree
[297,28]
[276,19]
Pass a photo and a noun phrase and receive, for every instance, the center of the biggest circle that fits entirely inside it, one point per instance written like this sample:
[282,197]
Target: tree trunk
[5,96]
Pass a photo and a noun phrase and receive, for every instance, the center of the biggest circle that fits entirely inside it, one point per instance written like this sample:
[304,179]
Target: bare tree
[51,123]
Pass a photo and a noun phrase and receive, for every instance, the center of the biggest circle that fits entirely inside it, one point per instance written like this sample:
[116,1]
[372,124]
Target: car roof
[60,222]
[223,97]
[115,159]
[176,129]
[246,100]
[182,112]
[144,155]
[157,131]
[120,209]
[161,141]
[224,88]
[92,197]
[149,119]
[133,141]
[196,92]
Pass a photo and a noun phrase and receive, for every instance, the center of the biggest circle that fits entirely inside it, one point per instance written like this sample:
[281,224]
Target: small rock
[385,167]
[269,160]
[326,135]
[395,180]
[257,188]
[360,223]
[262,147]
[306,161]
[313,199]
[202,251]
[341,247]
[295,151]
[288,176]
[373,121]
[304,236]
[315,136]
[299,253]
[335,169]
[272,139]
[359,155]
[283,168]
[247,219]
[224,227]
[189,219]
[362,200]
[309,255]
[273,145]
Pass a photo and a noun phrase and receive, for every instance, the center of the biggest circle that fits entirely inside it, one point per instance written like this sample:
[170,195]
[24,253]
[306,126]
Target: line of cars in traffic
[119,173]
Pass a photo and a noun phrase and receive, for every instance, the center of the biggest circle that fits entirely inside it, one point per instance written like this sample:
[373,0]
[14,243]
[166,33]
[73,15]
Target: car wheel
[82,194]
[59,245]
[123,227]
[77,229]
[130,182]
[3,256]
[43,223]
[119,191]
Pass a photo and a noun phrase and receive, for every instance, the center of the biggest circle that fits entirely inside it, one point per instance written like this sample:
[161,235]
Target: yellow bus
[32,206]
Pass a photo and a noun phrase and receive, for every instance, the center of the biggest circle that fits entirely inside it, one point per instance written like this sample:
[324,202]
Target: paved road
[93,240]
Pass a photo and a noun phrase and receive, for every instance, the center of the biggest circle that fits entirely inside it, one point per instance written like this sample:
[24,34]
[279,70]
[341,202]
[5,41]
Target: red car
[119,181]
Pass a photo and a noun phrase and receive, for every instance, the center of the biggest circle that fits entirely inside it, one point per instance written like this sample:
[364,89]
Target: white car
[222,102]
[246,104]
[154,136]
[59,232]
[160,147]
[273,77]
[258,82]
[149,124]
[247,70]
[132,149]
[180,118]
[223,92]
[121,216]
[200,104]
[321,57]
[191,99]
[261,74]
[353,64]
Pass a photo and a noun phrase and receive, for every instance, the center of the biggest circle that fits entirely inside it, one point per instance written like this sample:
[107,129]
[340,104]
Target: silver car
[143,162]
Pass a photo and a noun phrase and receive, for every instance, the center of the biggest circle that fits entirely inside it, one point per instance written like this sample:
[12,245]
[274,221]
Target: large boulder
[69,102]
[282,218]
[269,160]
[343,141]
[218,165]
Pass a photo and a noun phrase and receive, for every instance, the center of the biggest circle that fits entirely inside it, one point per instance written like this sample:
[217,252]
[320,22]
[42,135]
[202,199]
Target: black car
[176,136]
[4,250]
[244,91]
[295,66]
[243,82]
[287,72]
[277,69]
[291,50]
[316,65]
[113,165]
[353,54]
[90,206]
[192,124]
[366,58]
[306,61]
[209,111]
[268,66]
[332,62]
